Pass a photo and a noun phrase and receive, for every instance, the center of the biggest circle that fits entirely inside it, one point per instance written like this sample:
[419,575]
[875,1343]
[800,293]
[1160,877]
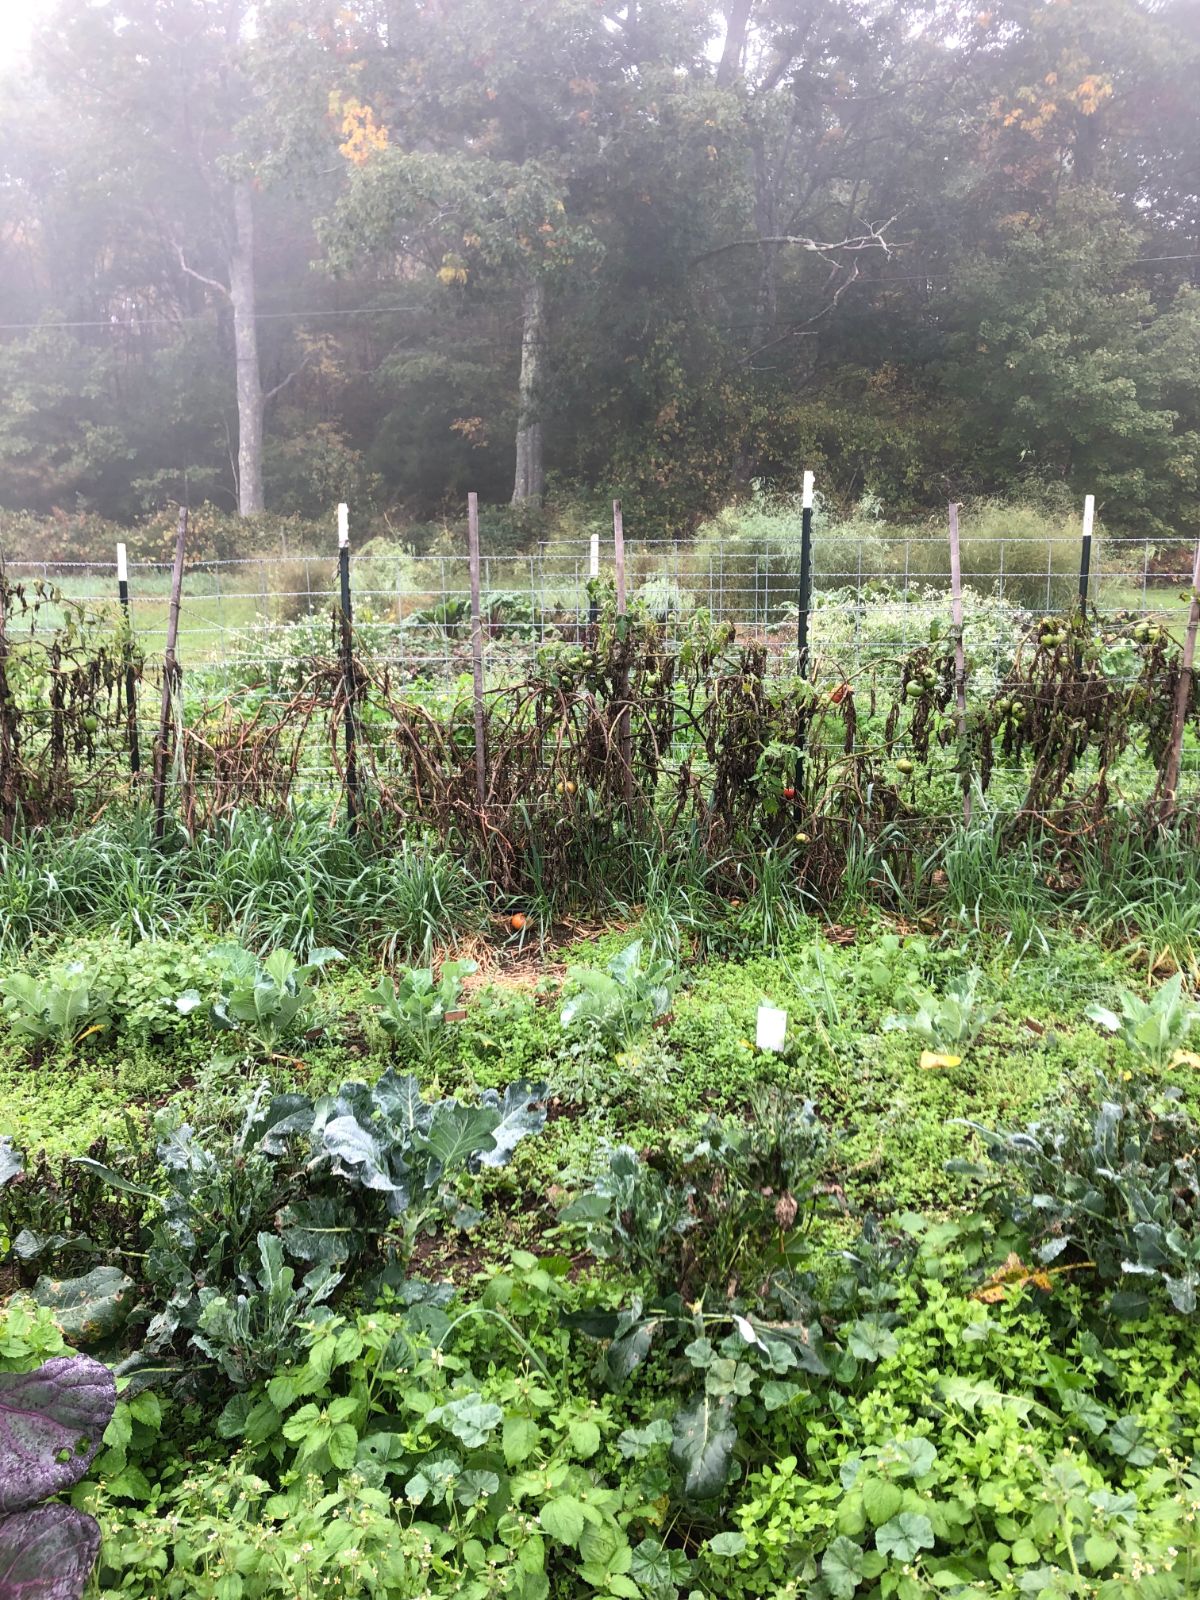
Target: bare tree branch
[212,283]
[872,239]
[309,357]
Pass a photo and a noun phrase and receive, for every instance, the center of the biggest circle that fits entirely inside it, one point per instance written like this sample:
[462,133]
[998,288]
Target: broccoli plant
[267,1002]
[951,1022]
[622,1001]
[413,1011]
[63,1008]
[1153,1029]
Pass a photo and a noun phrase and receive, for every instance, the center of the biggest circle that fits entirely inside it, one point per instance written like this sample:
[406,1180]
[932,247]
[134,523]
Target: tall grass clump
[1024,552]
[109,878]
[422,898]
[303,882]
[680,912]
[286,883]
[1142,889]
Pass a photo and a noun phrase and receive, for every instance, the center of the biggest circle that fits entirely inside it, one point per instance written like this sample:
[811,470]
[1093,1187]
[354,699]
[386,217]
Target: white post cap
[343,526]
[1089,514]
[594,557]
[808,491]
[122,565]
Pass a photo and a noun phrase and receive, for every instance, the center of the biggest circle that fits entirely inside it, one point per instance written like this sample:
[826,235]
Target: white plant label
[772,1028]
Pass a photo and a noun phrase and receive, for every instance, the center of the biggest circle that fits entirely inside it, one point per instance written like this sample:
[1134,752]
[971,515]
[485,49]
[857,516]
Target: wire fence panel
[262,694]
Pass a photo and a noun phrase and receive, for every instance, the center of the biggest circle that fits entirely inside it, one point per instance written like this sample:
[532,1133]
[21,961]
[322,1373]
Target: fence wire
[251,629]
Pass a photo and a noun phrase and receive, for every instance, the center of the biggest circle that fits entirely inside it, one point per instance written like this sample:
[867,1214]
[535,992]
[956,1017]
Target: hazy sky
[15,19]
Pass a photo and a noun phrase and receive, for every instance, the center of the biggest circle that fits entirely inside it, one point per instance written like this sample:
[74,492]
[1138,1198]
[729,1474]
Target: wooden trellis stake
[477,648]
[624,733]
[1183,696]
[171,677]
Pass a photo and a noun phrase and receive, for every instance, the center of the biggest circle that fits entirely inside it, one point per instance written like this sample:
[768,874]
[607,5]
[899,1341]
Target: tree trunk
[737,21]
[530,484]
[245,341]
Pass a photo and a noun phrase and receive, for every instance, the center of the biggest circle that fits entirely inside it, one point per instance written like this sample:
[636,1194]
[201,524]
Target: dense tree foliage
[392,249]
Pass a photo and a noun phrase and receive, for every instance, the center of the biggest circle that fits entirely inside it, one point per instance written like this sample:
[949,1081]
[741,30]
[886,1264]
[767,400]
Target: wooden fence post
[135,754]
[477,648]
[1183,696]
[624,734]
[171,676]
[349,677]
[960,661]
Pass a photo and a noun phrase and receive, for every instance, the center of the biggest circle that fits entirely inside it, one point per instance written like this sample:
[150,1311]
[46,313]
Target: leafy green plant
[410,1435]
[204,1200]
[634,1215]
[266,1002]
[1112,1184]
[719,1214]
[623,1000]
[413,1009]
[951,1022]
[400,1152]
[64,1007]
[1153,1030]
[332,1178]
[245,1333]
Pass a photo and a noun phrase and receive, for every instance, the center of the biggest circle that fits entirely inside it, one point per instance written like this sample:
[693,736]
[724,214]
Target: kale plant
[413,1010]
[359,1172]
[1152,1029]
[622,1001]
[63,1008]
[266,1002]
[1110,1185]
[951,1022]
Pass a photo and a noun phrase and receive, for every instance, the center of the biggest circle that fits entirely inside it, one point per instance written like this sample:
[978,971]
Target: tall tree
[158,95]
[498,117]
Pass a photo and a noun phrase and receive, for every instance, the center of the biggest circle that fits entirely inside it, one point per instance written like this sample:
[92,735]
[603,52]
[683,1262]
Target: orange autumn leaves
[1037,107]
[362,132]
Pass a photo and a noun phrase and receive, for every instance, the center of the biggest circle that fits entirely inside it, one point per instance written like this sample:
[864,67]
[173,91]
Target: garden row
[908,1310]
[643,726]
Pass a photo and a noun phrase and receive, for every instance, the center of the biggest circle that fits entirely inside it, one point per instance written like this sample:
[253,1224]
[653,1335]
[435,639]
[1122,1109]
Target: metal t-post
[802,648]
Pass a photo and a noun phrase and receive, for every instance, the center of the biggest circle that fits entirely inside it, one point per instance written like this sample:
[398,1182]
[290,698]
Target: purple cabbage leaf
[47,1553]
[52,1423]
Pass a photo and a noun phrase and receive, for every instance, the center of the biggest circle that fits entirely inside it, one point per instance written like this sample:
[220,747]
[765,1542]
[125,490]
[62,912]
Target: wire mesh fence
[418,606]
[258,637]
